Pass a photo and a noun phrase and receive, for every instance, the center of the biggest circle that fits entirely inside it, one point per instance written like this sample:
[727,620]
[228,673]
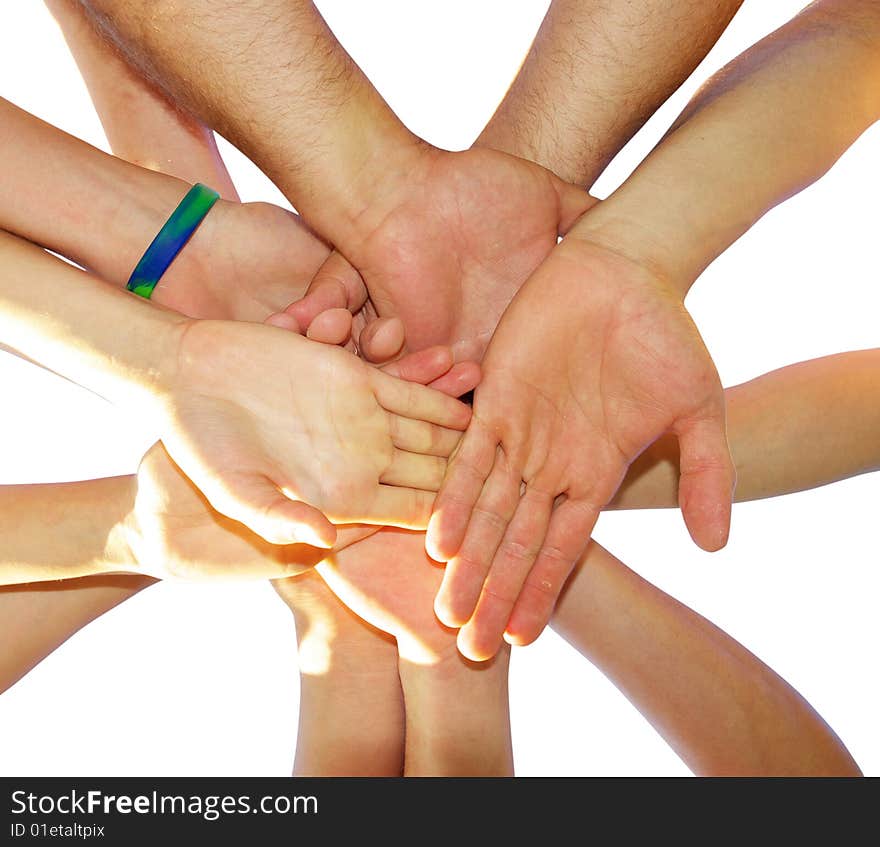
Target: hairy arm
[596,72]
[767,125]
[270,76]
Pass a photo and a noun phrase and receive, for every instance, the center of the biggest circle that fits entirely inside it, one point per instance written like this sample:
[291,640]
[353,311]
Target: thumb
[705,488]
[259,504]
[336,285]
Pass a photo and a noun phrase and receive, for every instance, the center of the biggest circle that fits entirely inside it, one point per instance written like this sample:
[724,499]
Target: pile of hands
[300,442]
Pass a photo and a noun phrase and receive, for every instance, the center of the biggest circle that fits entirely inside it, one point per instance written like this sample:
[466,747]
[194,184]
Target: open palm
[448,254]
[549,445]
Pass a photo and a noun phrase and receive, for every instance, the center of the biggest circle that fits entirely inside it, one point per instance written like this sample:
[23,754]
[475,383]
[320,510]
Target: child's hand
[276,429]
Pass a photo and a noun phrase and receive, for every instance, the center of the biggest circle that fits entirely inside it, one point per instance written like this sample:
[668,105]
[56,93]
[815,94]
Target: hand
[265,422]
[595,359]
[448,250]
[390,582]
[174,533]
[244,262]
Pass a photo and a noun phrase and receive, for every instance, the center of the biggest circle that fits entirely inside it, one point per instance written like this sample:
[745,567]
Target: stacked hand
[593,360]
[549,445]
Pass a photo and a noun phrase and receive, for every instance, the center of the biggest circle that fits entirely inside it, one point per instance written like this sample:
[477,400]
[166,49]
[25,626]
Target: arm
[457,717]
[767,125]
[721,709]
[596,72]
[271,77]
[632,363]
[141,124]
[65,530]
[798,427]
[162,367]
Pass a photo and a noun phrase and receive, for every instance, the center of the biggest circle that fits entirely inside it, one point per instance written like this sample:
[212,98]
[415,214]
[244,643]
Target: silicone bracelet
[178,229]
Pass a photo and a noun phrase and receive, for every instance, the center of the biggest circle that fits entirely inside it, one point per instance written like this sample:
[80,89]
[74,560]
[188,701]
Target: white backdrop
[201,679]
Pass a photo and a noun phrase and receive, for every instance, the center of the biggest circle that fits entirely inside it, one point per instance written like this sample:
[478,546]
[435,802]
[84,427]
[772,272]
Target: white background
[202,680]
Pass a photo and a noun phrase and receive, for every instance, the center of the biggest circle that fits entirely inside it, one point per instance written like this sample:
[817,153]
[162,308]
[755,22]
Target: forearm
[721,709]
[95,209]
[596,72]
[270,76]
[767,125]
[795,428]
[37,618]
[457,717]
[351,719]
[106,340]
[65,530]
[141,124]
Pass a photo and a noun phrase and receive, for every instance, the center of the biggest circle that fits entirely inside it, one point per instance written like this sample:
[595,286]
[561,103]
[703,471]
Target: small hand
[266,422]
[594,360]
[174,532]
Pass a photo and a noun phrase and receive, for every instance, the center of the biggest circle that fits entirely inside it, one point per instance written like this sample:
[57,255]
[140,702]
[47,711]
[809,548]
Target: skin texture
[596,72]
[300,580]
[196,382]
[713,176]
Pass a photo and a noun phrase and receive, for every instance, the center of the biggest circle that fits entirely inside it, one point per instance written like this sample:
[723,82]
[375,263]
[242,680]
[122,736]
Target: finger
[568,535]
[336,285]
[466,474]
[461,378]
[415,401]
[708,476]
[382,339]
[284,321]
[466,571]
[412,470]
[482,636]
[257,502]
[420,437]
[331,327]
[422,367]
[573,202]
[406,508]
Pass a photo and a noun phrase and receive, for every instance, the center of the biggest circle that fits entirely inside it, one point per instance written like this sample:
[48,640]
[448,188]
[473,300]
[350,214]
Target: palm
[450,255]
[627,365]
[265,422]
[390,582]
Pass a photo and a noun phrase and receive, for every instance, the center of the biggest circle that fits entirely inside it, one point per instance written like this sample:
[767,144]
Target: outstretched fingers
[708,477]
[468,469]
[466,571]
[567,538]
[481,637]
[411,400]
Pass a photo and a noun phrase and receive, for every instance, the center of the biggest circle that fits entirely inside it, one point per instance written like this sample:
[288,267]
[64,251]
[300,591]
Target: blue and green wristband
[178,229]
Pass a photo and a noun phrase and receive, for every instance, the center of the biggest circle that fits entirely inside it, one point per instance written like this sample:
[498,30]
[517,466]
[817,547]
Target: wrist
[640,242]
[120,549]
[375,160]
[130,205]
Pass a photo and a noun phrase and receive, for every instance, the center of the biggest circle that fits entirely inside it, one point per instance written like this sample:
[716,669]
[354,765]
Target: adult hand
[594,359]
[446,250]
